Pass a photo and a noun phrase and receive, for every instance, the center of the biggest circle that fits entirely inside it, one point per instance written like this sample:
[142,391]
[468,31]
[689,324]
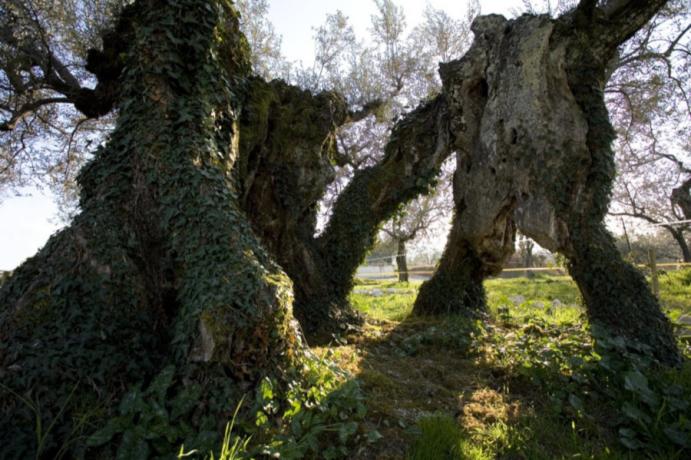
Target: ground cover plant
[528,381]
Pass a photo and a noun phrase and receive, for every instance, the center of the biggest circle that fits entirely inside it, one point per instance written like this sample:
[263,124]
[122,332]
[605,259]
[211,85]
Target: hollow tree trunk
[517,162]
[285,166]
[160,268]
[402,262]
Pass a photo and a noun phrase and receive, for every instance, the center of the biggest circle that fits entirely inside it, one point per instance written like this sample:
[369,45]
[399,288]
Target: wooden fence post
[653,272]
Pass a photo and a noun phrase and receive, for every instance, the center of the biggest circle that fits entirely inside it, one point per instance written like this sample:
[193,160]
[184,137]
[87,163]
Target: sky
[27,221]
[294,20]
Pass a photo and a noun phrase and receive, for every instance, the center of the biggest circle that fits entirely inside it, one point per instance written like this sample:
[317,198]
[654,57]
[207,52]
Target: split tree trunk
[536,149]
[287,151]
[161,267]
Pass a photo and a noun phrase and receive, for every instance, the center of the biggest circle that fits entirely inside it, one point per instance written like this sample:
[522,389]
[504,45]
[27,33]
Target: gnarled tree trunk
[287,151]
[535,149]
[160,268]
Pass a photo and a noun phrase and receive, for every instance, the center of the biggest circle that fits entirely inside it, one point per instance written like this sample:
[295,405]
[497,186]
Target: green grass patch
[441,437]
[385,301]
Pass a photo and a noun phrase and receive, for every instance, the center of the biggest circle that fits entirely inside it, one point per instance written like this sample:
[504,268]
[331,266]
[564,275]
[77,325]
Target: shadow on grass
[503,388]
[448,388]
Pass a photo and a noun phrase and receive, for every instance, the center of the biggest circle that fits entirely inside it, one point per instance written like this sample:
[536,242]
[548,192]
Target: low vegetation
[527,382]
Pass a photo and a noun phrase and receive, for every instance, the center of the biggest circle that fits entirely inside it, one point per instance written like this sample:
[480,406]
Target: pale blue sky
[26,222]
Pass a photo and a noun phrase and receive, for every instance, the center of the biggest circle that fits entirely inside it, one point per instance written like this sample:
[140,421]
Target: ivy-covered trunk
[287,161]
[617,296]
[534,141]
[160,273]
[456,287]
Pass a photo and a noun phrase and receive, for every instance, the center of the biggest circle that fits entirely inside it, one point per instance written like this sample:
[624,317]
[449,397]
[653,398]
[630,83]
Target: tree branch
[28,108]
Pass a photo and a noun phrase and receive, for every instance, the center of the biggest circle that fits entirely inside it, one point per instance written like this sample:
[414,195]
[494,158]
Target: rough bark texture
[161,269]
[287,158]
[535,149]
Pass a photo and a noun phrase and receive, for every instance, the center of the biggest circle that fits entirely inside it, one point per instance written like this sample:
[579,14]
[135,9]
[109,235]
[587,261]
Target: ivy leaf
[133,447]
[628,438]
[163,381]
[677,436]
[103,435]
[576,402]
[374,436]
[634,413]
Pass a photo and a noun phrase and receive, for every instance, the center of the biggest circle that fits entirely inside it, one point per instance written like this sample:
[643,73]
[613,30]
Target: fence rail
[429,271]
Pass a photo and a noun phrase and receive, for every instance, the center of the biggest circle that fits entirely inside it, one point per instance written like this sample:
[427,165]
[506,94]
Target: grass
[504,388]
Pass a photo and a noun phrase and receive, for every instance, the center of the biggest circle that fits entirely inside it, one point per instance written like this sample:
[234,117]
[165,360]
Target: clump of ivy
[317,416]
[456,287]
[315,412]
[609,378]
[159,271]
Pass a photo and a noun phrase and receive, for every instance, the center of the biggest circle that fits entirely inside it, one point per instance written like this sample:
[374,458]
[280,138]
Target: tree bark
[681,197]
[516,162]
[683,245]
[161,267]
[456,287]
[402,262]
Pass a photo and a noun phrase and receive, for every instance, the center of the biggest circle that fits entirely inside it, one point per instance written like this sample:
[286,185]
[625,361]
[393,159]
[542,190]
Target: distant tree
[417,219]
[525,250]
[638,245]
[648,97]
[267,59]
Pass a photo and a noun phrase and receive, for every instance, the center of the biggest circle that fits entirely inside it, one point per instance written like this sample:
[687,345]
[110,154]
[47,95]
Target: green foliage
[318,416]
[655,403]
[233,447]
[151,422]
[315,414]
[575,394]
[456,334]
[440,437]
[615,378]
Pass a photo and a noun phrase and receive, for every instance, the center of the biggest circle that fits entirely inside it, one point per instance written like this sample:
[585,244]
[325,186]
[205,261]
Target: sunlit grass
[453,389]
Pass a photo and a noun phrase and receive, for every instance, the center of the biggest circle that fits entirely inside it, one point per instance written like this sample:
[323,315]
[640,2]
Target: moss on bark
[285,166]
